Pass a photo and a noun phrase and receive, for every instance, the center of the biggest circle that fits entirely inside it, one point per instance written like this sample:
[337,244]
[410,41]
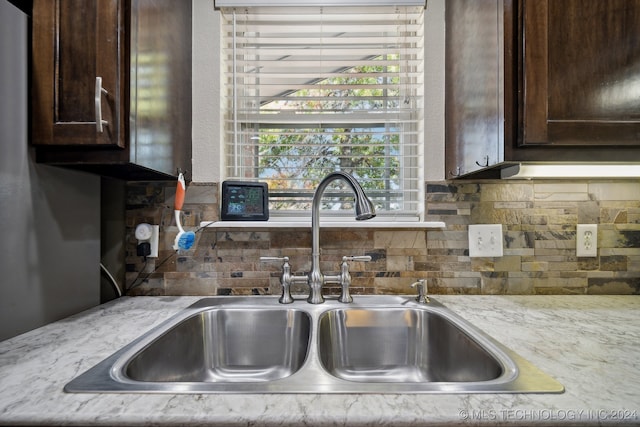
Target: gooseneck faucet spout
[364,209]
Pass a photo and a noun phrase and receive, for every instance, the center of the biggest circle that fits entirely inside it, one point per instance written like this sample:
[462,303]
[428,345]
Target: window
[312,90]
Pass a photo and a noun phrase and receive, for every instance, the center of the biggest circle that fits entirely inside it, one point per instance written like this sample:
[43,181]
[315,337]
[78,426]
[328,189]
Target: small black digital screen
[245,201]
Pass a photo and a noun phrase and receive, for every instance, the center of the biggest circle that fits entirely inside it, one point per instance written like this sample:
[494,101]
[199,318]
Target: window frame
[417,156]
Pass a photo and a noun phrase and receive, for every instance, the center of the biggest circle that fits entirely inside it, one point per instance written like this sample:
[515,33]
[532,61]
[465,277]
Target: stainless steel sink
[377,344]
[226,345]
[401,346]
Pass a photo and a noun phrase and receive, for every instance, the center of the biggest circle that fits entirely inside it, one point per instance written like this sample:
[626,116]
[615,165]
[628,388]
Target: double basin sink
[377,344]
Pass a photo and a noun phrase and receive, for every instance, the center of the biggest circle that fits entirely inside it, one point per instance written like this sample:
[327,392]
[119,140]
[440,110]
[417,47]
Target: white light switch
[587,240]
[485,240]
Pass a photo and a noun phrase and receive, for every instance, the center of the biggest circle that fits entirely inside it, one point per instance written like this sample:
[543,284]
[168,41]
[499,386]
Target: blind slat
[267,40]
[327,64]
[344,120]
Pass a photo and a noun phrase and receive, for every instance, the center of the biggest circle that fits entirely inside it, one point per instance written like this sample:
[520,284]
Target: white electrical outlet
[151,234]
[485,240]
[587,240]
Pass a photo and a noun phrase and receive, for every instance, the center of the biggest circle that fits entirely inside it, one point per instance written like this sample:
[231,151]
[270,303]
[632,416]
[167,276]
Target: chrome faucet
[364,209]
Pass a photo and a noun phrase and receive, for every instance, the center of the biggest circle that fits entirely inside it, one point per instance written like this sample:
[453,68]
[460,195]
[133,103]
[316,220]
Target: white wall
[207,99]
[207,159]
[434,90]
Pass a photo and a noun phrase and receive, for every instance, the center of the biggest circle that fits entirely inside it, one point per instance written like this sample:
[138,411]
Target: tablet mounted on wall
[245,201]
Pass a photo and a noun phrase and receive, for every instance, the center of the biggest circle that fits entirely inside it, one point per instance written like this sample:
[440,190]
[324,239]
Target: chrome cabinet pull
[98,101]
[486,162]
[458,172]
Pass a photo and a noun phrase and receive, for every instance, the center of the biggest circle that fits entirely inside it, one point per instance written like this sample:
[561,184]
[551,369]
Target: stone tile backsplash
[539,223]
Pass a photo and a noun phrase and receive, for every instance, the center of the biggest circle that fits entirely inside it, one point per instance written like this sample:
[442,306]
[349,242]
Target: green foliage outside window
[298,156]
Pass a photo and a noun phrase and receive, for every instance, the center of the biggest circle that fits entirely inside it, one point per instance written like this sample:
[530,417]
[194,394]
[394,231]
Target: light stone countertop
[591,344]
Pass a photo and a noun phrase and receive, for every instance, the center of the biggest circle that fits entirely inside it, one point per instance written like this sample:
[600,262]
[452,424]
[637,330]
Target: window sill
[281,222]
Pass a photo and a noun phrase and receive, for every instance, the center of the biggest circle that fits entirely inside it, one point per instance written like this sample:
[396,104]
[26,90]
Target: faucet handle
[274,258]
[421,285]
[286,279]
[364,258]
[345,276]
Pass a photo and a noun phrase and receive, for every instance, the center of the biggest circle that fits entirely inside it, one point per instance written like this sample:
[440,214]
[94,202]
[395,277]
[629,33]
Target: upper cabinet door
[580,73]
[76,85]
[474,88]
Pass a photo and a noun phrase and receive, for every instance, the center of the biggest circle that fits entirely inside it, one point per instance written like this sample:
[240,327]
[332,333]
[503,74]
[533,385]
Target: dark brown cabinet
[474,90]
[541,80]
[111,86]
[581,68]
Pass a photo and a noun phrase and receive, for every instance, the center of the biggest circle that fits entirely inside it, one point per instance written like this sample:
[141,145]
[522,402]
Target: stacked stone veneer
[539,222]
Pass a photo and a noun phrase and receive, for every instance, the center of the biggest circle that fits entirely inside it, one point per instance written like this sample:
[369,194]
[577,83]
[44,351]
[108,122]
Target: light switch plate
[587,240]
[485,240]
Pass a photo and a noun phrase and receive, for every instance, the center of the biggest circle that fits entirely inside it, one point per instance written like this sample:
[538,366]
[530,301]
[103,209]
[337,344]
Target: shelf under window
[292,222]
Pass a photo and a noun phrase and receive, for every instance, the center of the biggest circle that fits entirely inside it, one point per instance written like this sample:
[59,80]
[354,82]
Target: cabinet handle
[486,162]
[98,100]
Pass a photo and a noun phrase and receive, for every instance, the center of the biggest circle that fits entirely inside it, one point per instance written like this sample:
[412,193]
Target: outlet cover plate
[146,233]
[154,240]
[587,240]
[485,240]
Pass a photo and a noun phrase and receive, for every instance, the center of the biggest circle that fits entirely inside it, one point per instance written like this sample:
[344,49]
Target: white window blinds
[313,90]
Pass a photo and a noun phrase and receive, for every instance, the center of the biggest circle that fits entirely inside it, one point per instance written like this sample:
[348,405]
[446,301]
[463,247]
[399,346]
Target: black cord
[133,284]
[144,267]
